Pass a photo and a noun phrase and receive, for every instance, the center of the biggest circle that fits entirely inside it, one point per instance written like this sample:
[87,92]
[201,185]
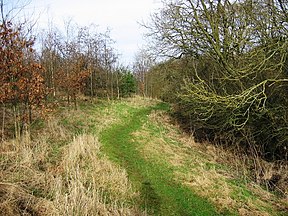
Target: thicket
[228,70]
[80,62]
[128,84]
[22,87]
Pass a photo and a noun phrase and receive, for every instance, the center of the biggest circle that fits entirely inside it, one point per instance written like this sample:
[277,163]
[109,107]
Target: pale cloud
[120,16]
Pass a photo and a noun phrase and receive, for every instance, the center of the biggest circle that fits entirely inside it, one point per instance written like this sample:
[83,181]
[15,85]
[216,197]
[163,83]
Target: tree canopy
[228,78]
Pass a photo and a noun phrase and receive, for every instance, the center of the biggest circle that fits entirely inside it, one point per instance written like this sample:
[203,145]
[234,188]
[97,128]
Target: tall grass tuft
[54,173]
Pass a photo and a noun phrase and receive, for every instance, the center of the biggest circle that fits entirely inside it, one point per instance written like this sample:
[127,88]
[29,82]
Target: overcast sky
[120,16]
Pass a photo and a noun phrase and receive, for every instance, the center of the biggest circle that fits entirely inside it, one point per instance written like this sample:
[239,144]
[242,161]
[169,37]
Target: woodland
[226,75]
[221,67]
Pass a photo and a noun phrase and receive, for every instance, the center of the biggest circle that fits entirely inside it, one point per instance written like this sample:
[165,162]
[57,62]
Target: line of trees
[226,70]
[64,65]
[22,87]
[83,60]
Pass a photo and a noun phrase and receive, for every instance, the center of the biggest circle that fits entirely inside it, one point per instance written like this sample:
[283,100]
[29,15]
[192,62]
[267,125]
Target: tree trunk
[117,86]
[3,121]
[30,114]
[75,100]
[111,84]
[68,99]
[91,84]
[17,127]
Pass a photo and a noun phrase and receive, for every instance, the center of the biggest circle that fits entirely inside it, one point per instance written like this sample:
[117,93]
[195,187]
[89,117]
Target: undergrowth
[59,169]
[124,158]
[160,194]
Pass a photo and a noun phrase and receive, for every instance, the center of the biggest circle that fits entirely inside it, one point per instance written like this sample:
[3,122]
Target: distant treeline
[64,66]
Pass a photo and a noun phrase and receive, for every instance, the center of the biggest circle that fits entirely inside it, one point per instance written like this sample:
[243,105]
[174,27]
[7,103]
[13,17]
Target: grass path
[170,173]
[124,157]
[160,193]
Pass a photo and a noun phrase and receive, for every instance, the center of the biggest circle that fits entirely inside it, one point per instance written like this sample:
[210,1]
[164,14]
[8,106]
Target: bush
[128,84]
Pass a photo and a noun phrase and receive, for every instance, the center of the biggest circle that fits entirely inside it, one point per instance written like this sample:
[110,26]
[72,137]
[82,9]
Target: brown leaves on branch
[21,81]
[71,77]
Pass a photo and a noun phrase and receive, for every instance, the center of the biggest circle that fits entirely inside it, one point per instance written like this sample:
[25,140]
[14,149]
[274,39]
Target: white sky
[120,16]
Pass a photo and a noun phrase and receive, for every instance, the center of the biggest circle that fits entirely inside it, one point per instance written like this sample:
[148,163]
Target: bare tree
[238,58]
[142,64]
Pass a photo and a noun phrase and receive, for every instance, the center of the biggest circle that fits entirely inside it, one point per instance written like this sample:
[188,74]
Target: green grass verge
[160,193]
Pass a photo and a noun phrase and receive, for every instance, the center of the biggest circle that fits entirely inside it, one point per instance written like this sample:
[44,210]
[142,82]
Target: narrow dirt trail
[160,193]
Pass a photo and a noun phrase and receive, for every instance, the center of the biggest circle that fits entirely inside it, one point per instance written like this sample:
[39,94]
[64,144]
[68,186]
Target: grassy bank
[123,158]
[160,194]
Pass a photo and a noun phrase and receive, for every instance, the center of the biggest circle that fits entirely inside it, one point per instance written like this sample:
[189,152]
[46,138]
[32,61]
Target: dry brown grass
[91,185]
[138,101]
[56,174]
[22,180]
[14,200]
[212,172]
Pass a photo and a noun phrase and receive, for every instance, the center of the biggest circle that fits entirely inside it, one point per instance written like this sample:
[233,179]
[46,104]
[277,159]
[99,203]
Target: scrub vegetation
[197,126]
[124,158]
